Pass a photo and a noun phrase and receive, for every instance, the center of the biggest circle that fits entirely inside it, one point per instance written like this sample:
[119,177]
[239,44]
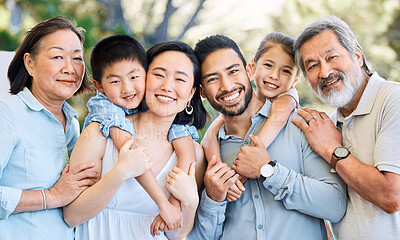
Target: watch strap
[272,163]
[335,159]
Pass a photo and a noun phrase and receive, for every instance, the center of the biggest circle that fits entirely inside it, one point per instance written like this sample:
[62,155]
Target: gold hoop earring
[189,108]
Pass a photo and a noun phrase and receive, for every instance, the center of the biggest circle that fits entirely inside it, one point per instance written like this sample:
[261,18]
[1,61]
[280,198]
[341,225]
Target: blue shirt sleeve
[302,192]
[9,197]
[178,131]
[108,115]
[210,218]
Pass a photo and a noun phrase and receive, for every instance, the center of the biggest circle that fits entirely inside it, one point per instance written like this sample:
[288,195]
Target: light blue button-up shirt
[108,114]
[34,149]
[288,205]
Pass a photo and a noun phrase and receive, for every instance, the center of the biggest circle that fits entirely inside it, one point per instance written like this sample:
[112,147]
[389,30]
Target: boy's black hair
[114,49]
[199,116]
[213,43]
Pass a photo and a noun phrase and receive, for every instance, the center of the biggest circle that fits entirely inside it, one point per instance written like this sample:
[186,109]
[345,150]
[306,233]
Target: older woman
[115,202]
[38,130]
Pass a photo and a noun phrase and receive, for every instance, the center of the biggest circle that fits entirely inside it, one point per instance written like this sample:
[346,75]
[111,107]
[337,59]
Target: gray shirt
[288,205]
[372,134]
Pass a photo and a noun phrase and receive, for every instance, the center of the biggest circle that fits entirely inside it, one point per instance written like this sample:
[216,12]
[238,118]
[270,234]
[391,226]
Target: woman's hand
[183,186]
[133,160]
[71,184]
[235,191]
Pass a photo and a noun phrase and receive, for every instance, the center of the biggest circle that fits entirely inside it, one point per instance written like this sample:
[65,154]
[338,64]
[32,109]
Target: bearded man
[360,140]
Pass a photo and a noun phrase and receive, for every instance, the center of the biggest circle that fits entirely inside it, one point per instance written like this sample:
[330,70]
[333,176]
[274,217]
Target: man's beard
[236,111]
[340,98]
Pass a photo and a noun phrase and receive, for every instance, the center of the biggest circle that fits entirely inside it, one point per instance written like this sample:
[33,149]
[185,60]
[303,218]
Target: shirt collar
[30,101]
[265,111]
[367,99]
[27,97]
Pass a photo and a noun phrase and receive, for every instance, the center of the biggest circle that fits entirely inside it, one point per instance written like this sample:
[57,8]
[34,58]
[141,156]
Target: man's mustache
[330,77]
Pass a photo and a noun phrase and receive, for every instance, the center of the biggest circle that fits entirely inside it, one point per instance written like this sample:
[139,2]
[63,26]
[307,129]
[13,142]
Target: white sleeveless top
[130,212]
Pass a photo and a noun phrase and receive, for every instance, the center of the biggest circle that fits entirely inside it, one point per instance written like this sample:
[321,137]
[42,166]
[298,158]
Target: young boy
[119,71]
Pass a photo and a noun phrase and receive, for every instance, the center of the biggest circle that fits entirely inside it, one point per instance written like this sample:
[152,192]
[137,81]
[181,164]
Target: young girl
[275,75]
[119,70]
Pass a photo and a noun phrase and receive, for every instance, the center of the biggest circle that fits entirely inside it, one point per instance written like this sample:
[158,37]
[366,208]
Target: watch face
[266,170]
[341,152]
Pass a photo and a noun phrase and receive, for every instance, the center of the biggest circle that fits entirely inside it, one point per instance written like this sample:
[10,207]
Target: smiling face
[57,70]
[275,73]
[123,83]
[169,84]
[225,82]
[335,76]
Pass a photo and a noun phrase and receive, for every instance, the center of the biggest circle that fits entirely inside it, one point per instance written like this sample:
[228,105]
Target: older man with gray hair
[361,138]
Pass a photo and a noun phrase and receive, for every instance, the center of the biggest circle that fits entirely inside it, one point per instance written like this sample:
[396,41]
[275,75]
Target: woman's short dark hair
[199,116]
[32,43]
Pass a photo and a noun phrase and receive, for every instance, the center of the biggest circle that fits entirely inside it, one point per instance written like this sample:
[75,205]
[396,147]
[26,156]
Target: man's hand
[320,131]
[251,158]
[219,177]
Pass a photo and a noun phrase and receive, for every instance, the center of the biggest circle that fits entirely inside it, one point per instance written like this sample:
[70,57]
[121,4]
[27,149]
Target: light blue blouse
[288,205]
[34,149]
[108,114]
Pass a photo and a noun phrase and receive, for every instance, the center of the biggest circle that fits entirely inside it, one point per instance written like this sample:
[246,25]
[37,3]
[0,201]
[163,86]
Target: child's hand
[242,179]
[133,161]
[235,191]
[158,225]
[171,215]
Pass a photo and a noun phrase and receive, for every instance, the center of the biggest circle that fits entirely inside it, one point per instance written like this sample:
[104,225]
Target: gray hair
[341,29]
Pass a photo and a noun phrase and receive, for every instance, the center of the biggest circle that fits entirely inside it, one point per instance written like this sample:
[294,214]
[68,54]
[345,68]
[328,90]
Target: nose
[226,84]
[126,86]
[68,66]
[167,84]
[325,69]
[273,74]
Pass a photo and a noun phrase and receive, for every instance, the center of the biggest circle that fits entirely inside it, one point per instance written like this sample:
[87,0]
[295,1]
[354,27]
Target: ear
[28,62]
[251,69]
[98,86]
[359,57]
[202,93]
[192,93]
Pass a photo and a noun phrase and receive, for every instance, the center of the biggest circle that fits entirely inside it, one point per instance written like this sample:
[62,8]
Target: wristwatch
[338,154]
[268,169]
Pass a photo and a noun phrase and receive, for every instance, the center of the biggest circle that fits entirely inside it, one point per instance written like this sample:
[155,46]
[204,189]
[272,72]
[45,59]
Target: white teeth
[271,85]
[164,98]
[231,97]
[332,82]
[130,97]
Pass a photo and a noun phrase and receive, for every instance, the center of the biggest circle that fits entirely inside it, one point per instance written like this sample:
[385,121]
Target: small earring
[189,108]
[30,73]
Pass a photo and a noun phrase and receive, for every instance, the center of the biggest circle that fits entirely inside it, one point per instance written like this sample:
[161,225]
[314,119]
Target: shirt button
[260,226]
[256,196]
[269,187]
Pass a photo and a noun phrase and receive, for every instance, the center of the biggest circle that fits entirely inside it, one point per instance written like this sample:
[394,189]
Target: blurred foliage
[376,23]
